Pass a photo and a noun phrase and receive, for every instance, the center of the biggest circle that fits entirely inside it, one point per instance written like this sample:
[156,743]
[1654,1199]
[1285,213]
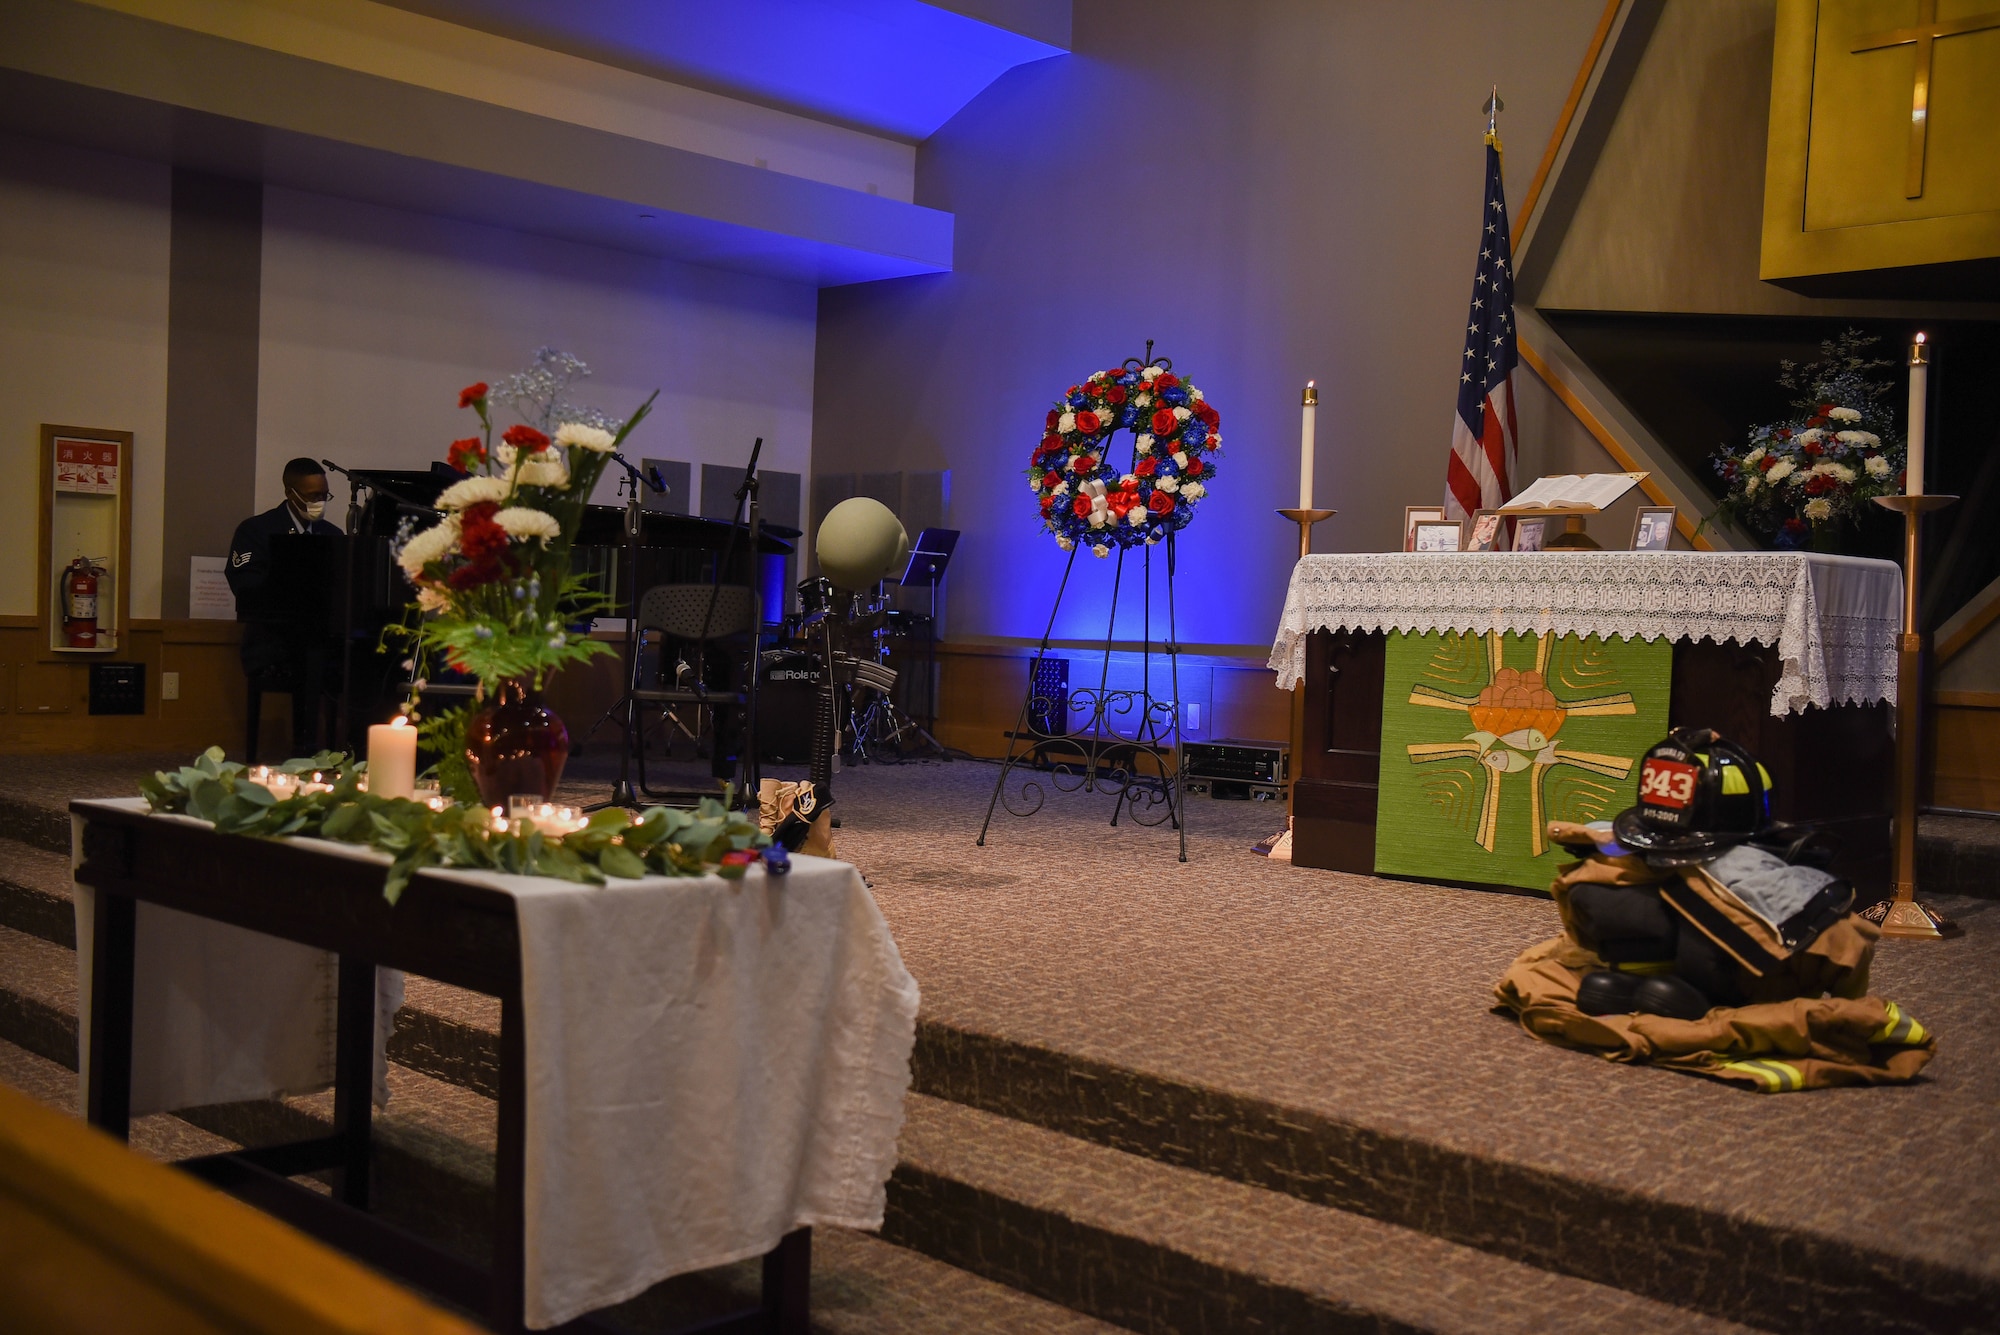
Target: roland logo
[794,674]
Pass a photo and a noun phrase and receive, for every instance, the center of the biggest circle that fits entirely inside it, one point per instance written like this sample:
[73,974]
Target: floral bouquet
[495,594]
[1794,483]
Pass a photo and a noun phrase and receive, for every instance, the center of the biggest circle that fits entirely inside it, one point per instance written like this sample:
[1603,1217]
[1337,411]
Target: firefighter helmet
[1699,794]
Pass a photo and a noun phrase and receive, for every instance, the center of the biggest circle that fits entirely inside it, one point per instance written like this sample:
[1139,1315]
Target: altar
[1455,702]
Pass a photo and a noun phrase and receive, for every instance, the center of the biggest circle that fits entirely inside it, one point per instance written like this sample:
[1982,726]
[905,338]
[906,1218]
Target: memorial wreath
[1083,499]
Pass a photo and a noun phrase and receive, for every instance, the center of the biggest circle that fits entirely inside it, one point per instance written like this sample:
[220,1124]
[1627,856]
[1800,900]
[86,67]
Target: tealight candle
[392,758]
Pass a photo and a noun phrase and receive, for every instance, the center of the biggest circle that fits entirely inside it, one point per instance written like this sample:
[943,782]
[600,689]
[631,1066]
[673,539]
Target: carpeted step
[41,824]
[1168,1250]
[38,996]
[1958,855]
[35,892]
[433,1182]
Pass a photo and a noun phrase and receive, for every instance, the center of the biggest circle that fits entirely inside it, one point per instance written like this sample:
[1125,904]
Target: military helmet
[1699,794]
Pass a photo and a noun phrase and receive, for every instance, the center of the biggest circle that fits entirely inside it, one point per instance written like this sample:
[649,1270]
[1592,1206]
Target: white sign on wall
[209,598]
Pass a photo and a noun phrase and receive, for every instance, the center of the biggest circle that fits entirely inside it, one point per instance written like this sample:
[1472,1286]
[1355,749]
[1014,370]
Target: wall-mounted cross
[1924,32]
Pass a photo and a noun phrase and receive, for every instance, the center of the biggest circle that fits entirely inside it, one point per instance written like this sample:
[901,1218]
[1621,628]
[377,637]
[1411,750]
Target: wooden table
[462,934]
[1834,767]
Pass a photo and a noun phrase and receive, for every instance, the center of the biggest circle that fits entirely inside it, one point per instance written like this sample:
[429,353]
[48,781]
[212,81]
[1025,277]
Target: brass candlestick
[1902,915]
[1305,519]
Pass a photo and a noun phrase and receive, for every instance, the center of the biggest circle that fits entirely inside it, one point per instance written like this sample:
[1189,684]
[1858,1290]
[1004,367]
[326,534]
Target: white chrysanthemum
[1819,509]
[431,599]
[1865,439]
[1779,471]
[1844,414]
[1143,445]
[534,468]
[435,542]
[1066,423]
[1840,473]
[594,438]
[1877,466]
[1754,455]
[523,524]
[471,491]
[1182,414]
[1100,551]
[1812,437]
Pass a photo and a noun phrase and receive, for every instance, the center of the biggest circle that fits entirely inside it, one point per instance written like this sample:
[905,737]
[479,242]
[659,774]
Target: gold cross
[1924,33]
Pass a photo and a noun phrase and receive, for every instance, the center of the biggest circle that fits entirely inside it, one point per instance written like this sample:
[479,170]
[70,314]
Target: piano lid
[604,526]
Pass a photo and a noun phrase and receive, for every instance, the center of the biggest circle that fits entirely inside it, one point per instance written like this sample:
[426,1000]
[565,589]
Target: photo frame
[1528,534]
[1484,533]
[1653,529]
[1412,515]
[1439,535]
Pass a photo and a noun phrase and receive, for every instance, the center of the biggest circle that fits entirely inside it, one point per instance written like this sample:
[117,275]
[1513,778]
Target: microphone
[655,480]
[334,467]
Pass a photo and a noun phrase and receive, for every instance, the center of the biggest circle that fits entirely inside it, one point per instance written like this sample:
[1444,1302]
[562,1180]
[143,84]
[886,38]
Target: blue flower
[1176,396]
[1078,399]
[1194,433]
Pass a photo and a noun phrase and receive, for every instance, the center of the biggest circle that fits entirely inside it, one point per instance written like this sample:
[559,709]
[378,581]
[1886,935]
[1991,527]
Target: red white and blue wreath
[1084,500]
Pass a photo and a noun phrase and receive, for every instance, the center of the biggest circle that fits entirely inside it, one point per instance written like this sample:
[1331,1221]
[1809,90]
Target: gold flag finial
[1493,107]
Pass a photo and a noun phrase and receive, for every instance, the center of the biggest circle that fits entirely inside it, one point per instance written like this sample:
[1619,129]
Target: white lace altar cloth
[1833,619]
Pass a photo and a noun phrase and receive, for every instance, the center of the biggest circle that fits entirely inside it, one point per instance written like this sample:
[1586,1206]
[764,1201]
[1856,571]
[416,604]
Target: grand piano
[345,590]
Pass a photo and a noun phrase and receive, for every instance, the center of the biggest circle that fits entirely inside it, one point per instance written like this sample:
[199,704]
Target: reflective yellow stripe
[1772,1077]
[1646,967]
[1898,1028]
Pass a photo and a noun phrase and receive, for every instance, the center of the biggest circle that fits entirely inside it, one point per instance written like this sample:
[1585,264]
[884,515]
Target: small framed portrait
[1653,530]
[1414,515]
[1484,535]
[1440,535]
[1528,534]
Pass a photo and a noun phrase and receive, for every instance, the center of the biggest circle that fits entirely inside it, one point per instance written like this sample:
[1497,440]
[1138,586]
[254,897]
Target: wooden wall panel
[47,698]
[1965,750]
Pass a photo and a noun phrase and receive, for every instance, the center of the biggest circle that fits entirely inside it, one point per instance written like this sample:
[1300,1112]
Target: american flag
[1479,475]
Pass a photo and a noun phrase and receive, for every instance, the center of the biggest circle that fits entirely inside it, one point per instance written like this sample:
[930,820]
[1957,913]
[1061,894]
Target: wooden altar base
[1832,767]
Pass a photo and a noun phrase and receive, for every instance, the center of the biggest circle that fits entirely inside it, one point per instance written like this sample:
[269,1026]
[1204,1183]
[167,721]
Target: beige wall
[83,336]
[1274,191]
[1672,217]
[373,318]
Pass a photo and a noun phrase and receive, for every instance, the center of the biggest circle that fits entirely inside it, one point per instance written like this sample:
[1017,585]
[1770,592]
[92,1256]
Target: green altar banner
[1487,738]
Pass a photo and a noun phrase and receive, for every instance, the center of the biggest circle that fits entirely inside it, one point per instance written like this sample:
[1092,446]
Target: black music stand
[929,555]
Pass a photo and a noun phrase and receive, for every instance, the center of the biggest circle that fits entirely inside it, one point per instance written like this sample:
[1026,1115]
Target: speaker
[787,694]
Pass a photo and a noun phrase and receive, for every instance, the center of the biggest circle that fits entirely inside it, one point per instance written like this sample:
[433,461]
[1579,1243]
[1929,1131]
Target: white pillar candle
[1920,378]
[1309,411]
[392,758]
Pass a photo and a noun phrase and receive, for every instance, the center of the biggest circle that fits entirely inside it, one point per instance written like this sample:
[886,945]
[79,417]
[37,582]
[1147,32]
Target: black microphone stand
[747,495]
[633,487]
[355,486]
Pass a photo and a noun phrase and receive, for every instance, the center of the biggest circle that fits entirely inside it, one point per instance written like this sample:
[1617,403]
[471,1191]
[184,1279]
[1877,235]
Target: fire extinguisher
[79,603]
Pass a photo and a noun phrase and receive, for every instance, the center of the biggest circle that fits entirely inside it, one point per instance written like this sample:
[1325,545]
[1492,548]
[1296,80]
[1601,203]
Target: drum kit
[855,631]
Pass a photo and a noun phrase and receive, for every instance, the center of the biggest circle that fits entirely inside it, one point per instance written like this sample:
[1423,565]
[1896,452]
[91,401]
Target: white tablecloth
[710,1064]
[1833,619]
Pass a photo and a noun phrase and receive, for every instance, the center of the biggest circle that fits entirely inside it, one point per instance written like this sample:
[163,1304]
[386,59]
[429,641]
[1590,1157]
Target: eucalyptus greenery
[662,841]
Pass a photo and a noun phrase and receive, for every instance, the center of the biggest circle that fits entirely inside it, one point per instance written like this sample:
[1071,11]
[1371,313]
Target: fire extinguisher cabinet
[86,539]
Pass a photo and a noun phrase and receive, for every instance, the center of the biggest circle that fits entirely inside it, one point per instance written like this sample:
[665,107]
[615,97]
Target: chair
[691,615]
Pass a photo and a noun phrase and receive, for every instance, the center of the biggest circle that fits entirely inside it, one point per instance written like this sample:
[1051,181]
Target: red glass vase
[516,745]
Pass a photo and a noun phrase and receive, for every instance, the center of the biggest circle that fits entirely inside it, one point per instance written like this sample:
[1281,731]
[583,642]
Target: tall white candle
[1310,411]
[1920,378]
[392,758]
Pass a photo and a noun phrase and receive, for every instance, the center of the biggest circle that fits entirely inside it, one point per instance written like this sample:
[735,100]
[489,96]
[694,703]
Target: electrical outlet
[1193,716]
[170,685]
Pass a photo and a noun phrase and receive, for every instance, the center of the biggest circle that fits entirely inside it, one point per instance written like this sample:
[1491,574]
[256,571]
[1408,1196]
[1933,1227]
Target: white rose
[1779,471]
[594,438]
[1100,551]
[1844,414]
[1819,509]
[1066,423]
[1180,458]
[523,524]
[1182,414]
[471,491]
[1170,484]
[437,541]
[1877,467]
[1144,445]
[1194,491]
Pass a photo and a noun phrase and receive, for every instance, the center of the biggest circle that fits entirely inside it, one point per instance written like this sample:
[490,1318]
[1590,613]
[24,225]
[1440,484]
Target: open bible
[1572,492]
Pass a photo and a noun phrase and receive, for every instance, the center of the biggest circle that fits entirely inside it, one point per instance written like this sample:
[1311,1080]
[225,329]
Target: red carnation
[472,394]
[1167,380]
[1161,504]
[1783,433]
[1051,479]
[1813,447]
[1147,466]
[1116,393]
[1087,421]
[1164,422]
[466,454]
[1054,417]
[525,438]
[1764,464]
[1082,507]
[478,536]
